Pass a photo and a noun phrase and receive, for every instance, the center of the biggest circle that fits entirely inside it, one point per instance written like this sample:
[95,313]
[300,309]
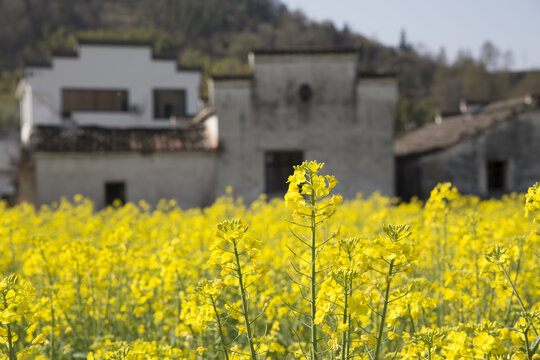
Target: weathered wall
[130,68]
[516,141]
[232,102]
[187,176]
[9,156]
[377,98]
[26,184]
[347,123]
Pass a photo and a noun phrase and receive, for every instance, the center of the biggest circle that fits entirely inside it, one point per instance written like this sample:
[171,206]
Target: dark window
[93,100]
[7,198]
[496,175]
[115,191]
[169,103]
[279,165]
[305,93]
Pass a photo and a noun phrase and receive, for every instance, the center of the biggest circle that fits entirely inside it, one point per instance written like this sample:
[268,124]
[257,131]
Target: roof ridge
[454,129]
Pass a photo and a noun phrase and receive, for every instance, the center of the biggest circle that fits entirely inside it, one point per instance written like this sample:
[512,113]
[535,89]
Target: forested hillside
[218,34]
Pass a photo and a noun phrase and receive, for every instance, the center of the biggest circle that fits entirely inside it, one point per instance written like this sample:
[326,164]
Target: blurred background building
[122,57]
[487,150]
[113,121]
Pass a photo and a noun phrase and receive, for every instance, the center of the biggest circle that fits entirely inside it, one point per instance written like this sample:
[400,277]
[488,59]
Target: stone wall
[187,177]
[310,103]
[347,122]
[9,156]
[515,142]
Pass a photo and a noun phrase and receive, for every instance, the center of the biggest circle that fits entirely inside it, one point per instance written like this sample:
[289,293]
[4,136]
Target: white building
[109,85]
[114,121]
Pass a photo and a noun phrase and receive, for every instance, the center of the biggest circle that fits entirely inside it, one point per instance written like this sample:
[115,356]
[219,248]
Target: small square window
[115,191]
[278,166]
[496,175]
[7,198]
[169,103]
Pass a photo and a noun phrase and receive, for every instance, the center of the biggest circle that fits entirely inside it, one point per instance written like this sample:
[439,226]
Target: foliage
[218,34]
[9,106]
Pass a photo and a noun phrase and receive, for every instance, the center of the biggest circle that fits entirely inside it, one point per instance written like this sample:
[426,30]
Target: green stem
[12,355]
[529,355]
[221,336]
[509,307]
[385,308]
[477,275]
[201,341]
[442,265]
[345,317]
[313,299]
[11,352]
[53,324]
[516,294]
[244,304]
[347,354]
[491,296]
[413,330]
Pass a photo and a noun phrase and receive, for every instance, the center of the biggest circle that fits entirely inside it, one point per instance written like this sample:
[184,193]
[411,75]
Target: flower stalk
[382,322]
[308,197]
[245,305]
[313,285]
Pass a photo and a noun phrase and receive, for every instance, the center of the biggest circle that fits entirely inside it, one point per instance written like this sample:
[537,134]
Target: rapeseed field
[307,277]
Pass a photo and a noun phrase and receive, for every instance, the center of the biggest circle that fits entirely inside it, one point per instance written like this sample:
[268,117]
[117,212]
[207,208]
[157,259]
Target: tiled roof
[455,129]
[44,61]
[115,42]
[99,139]
[231,77]
[306,51]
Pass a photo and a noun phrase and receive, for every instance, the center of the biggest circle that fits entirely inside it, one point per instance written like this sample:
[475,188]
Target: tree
[489,56]
[403,45]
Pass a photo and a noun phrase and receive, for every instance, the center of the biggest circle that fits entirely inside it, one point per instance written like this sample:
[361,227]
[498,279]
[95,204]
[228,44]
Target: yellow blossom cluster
[308,191]
[457,280]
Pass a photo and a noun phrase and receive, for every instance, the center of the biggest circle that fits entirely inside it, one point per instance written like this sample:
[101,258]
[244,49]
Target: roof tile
[99,139]
[454,129]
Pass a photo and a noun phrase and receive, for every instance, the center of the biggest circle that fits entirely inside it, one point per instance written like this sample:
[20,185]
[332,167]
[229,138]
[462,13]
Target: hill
[218,34]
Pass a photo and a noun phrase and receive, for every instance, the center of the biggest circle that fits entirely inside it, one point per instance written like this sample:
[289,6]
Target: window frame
[155,92]
[502,178]
[67,113]
[111,183]
[282,189]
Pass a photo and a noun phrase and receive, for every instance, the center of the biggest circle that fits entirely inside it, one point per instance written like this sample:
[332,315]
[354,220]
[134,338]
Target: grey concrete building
[120,135]
[9,157]
[492,150]
[304,105]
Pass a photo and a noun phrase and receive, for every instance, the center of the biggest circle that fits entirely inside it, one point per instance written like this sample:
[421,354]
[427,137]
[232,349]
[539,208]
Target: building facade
[115,121]
[304,105]
[486,153]
[9,157]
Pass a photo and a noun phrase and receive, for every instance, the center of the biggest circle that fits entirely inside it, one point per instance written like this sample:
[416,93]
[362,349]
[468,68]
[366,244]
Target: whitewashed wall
[187,176]
[104,67]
